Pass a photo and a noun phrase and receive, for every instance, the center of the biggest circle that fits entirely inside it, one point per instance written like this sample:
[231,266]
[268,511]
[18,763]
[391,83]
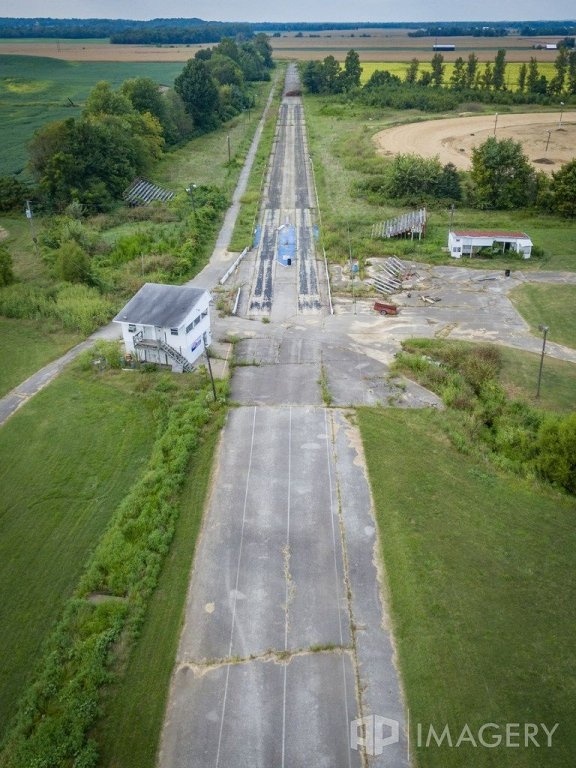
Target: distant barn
[444,47]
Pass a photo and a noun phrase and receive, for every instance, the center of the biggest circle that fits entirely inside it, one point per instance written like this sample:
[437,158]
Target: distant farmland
[34,91]
[396,46]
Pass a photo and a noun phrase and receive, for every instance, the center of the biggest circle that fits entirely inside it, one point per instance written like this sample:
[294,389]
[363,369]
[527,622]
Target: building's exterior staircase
[140,342]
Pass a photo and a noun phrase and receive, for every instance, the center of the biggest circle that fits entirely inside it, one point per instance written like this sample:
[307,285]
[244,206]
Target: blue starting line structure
[286,244]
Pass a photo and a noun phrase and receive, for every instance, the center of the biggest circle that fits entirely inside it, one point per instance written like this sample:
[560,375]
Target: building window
[131,328]
[174,331]
[189,327]
[204,314]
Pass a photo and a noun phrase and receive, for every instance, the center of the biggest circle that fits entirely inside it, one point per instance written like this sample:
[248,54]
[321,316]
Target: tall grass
[104,616]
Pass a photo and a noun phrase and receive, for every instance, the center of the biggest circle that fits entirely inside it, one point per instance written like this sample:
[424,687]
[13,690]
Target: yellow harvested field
[399,69]
[546,142]
[85,50]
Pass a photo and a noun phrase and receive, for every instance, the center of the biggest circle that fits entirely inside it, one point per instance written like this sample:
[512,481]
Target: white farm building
[468,242]
[167,324]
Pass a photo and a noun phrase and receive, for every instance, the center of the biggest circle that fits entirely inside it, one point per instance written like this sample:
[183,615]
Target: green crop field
[66,460]
[519,376]
[479,570]
[35,90]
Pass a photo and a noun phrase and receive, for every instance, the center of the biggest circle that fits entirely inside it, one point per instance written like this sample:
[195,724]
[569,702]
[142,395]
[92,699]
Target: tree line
[501,178]
[468,75]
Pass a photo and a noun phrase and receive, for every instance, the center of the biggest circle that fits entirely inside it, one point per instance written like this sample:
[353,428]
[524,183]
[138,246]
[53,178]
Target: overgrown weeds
[55,717]
[514,434]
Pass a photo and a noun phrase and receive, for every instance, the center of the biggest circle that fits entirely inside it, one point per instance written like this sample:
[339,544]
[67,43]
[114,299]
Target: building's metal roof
[164,306]
[490,233]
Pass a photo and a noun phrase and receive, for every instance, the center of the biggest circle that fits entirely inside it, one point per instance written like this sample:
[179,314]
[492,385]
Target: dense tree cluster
[212,85]
[329,77]
[501,178]
[122,133]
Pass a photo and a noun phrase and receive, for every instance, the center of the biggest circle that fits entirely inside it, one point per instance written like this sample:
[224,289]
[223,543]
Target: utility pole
[204,337]
[33,234]
[351,271]
[544,329]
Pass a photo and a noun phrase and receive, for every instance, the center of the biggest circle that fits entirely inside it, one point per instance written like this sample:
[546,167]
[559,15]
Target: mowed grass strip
[519,377]
[135,706]
[550,305]
[25,346]
[479,569]
[66,460]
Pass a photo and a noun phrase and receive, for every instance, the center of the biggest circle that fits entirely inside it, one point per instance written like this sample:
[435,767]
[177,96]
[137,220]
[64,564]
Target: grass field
[25,346]
[340,139]
[551,305]
[67,459]
[35,90]
[479,574]
[519,376]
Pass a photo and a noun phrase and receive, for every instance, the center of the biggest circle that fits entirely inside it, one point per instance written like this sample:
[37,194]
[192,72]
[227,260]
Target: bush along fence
[54,719]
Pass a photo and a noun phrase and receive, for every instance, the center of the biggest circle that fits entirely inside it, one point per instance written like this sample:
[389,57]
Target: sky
[297,10]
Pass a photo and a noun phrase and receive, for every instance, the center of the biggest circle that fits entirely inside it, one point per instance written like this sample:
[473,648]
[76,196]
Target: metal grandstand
[142,192]
[411,223]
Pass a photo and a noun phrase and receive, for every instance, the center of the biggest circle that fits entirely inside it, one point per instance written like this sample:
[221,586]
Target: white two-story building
[167,325]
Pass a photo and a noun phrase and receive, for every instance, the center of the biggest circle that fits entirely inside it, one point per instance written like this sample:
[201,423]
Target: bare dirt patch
[547,143]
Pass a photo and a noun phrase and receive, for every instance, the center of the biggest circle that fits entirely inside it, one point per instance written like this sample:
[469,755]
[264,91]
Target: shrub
[556,459]
[6,273]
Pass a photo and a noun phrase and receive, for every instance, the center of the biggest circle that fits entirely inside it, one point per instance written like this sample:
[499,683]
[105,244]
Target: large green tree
[438,68]
[499,71]
[199,93]
[502,175]
[563,190]
[352,72]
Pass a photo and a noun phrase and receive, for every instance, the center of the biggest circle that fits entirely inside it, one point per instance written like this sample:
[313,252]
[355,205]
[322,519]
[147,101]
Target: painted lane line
[329,431]
[236,589]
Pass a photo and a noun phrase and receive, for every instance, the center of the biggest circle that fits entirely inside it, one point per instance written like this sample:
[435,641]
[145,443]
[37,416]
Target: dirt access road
[453,139]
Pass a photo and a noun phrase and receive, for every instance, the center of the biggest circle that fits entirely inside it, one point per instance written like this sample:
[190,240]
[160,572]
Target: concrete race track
[285,642]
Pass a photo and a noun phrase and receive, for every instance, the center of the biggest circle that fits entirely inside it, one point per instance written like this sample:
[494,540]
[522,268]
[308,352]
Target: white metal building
[468,242]
[167,324]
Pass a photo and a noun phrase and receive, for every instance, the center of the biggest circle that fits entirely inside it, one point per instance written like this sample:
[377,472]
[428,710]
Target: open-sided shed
[468,242]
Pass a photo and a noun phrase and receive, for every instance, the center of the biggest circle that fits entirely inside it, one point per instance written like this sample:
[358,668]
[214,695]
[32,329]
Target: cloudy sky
[296,10]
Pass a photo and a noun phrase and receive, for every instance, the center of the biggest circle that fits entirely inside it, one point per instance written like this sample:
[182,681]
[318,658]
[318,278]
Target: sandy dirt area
[547,143]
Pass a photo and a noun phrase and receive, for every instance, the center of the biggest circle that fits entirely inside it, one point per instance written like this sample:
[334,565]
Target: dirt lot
[547,143]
